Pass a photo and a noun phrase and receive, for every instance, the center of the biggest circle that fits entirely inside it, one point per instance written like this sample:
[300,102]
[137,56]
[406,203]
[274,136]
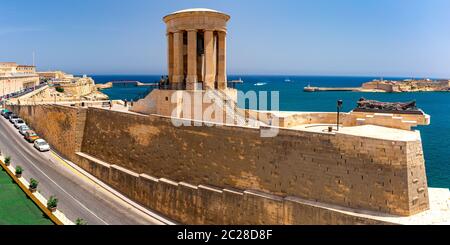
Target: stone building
[78,86]
[66,87]
[15,78]
[54,75]
[73,86]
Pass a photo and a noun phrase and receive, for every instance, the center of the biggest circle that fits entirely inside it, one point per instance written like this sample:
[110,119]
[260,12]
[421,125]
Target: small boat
[260,84]
[287,80]
[237,81]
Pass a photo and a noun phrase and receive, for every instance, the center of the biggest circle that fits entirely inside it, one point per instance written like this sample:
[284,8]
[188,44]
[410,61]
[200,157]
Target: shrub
[19,170]
[33,183]
[80,221]
[7,160]
[59,89]
[52,202]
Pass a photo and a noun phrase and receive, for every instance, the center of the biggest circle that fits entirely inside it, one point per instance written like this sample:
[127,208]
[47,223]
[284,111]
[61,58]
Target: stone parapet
[201,204]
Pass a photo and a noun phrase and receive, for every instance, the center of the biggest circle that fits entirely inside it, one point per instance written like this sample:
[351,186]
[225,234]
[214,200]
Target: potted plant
[19,171]
[80,221]
[8,160]
[52,203]
[33,185]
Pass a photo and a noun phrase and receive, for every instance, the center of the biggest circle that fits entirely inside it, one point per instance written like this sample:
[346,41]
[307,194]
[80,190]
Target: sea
[435,137]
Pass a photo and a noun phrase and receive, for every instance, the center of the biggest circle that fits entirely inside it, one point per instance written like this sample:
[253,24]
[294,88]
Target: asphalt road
[79,197]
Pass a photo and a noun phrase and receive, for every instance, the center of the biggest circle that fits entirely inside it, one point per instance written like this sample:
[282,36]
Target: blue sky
[297,37]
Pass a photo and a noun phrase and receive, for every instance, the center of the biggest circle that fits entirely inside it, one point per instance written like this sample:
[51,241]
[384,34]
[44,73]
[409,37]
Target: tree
[59,89]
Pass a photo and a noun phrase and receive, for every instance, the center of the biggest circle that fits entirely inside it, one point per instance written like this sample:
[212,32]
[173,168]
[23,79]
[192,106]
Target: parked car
[4,111]
[7,114]
[41,145]
[19,122]
[23,129]
[13,118]
[31,136]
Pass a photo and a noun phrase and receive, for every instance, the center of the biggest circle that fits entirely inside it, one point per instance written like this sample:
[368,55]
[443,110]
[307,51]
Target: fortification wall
[312,118]
[378,86]
[202,204]
[191,173]
[61,126]
[350,171]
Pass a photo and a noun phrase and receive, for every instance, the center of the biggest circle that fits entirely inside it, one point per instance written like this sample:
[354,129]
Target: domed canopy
[195,11]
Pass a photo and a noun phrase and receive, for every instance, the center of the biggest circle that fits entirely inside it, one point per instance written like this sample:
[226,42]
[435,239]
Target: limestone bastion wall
[230,175]
[61,126]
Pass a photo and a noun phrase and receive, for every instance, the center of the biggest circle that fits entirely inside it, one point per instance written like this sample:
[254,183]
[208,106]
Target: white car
[19,122]
[13,118]
[41,145]
[23,129]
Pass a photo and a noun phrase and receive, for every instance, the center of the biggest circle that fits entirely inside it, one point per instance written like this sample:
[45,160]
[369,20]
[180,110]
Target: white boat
[260,84]
[237,81]
[287,80]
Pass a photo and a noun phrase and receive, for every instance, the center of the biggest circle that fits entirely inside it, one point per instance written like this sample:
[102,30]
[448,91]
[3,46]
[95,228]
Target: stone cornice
[196,13]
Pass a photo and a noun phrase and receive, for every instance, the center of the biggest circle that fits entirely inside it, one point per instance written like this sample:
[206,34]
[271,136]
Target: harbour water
[436,137]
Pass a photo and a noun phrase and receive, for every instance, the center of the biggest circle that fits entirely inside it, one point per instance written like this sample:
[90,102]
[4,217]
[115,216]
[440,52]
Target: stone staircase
[231,109]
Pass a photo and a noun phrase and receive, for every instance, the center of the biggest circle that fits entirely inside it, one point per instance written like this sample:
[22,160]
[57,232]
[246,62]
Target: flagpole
[34,64]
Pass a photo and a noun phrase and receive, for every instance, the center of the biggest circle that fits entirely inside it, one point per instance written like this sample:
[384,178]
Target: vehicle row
[22,92]
[28,134]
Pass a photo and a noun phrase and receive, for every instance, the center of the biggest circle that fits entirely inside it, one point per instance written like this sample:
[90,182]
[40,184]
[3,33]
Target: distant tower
[196,41]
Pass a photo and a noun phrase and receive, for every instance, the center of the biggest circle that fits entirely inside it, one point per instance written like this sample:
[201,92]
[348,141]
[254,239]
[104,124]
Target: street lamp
[339,108]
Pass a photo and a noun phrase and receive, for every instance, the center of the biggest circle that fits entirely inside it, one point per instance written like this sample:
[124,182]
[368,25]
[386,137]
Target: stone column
[178,67]
[210,73]
[170,55]
[222,61]
[215,39]
[191,80]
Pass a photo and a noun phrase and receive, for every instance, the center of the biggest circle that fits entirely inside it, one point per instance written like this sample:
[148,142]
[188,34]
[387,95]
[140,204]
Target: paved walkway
[369,131]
